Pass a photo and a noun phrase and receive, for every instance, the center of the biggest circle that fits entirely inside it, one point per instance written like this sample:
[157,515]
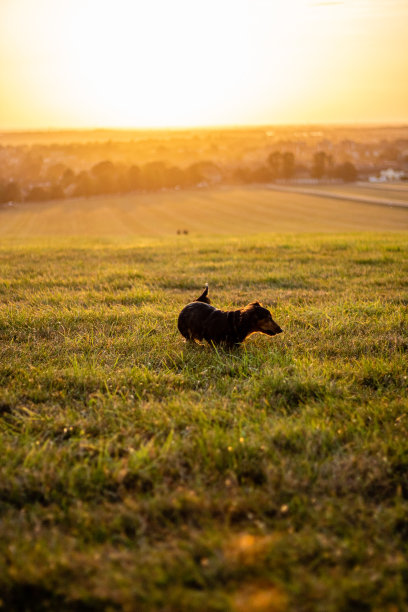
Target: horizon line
[232,126]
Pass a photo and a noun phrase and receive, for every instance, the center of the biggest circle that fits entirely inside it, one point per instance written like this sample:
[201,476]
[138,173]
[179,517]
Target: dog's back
[191,320]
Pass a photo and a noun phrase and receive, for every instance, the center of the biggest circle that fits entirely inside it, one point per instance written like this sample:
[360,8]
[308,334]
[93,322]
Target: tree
[10,192]
[37,194]
[67,178]
[83,185]
[321,163]
[105,177]
[194,175]
[153,175]
[241,175]
[281,165]
[288,165]
[262,174]
[31,167]
[176,177]
[56,172]
[55,192]
[133,178]
[275,162]
[347,172]
[204,171]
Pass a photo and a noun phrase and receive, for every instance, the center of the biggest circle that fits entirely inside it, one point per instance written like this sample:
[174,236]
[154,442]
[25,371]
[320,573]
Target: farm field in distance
[140,473]
[226,210]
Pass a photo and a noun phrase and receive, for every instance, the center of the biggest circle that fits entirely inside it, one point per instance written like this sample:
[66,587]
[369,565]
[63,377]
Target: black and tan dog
[200,321]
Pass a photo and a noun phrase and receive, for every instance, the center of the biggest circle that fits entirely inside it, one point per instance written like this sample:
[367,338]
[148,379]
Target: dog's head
[261,319]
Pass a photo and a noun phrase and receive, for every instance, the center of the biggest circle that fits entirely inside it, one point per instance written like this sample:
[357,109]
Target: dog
[199,321]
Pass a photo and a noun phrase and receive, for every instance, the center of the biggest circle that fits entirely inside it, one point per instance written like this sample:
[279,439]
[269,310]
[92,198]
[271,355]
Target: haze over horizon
[216,127]
[132,65]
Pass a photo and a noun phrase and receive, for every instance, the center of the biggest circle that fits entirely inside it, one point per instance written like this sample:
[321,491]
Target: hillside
[238,210]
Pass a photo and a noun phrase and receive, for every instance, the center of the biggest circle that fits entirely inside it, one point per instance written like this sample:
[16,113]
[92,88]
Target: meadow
[140,473]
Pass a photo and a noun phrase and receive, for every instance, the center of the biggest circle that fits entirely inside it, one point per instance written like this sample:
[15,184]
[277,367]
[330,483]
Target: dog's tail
[204,296]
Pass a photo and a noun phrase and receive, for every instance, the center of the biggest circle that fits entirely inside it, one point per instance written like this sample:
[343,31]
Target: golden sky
[173,63]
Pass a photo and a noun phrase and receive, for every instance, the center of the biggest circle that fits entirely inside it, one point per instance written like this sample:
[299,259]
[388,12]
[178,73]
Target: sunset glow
[131,63]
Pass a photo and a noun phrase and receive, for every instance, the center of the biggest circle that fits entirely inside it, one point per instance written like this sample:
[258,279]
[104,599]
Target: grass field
[393,195]
[226,210]
[139,473]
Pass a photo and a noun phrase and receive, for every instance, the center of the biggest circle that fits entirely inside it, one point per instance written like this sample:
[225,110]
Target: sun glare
[181,63]
[144,63]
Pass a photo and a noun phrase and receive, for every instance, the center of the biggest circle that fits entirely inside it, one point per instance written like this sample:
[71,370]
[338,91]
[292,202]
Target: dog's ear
[251,307]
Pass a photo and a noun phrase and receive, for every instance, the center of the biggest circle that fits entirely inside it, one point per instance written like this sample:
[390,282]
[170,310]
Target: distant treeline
[107,177]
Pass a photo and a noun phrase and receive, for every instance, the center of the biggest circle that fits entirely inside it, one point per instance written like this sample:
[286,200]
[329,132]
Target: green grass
[140,473]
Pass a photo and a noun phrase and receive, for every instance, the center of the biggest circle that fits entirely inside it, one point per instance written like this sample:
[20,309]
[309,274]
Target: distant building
[387,176]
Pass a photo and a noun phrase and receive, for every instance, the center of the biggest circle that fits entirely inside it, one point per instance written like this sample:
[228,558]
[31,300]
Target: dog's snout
[275,328]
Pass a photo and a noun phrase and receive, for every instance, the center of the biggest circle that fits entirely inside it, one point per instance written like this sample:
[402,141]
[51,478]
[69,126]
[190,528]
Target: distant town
[40,166]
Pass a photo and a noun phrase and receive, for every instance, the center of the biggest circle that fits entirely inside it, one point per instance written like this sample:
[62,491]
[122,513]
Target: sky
[182,63]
